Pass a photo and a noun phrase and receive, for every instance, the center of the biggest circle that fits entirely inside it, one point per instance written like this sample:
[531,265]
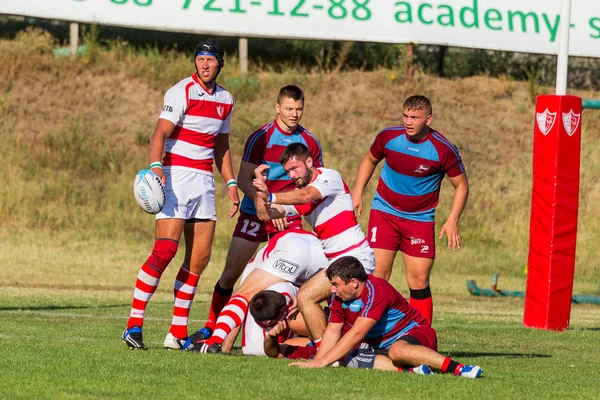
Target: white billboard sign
[530,26]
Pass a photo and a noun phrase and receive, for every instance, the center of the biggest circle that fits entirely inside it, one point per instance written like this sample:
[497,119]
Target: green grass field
[66,344]
[73,239]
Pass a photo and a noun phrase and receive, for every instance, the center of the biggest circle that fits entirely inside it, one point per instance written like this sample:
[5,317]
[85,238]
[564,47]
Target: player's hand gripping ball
[149,191]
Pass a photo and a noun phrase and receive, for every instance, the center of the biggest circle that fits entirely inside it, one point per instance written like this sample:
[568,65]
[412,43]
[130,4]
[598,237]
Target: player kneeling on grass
[278,331]
[367,316]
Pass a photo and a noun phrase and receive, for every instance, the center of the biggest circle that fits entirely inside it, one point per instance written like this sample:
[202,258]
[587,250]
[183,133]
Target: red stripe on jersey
[347,249]
[308,208]
[408,203]
[193,137]
[346,188]
[336,225]
[273,242]
[187,91]
[208,109]
[275,186]
[175,160]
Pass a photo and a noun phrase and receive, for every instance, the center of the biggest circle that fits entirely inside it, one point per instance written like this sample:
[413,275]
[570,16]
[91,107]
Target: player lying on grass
[271,329]
[368,314]
[323,199]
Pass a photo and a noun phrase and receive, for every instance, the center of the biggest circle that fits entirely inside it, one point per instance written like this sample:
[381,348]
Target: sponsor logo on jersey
[545,121]
[421,169]
[167,108]
[354,306]
[571,122]
[284,140]
[412,149]
[285,266]
[414,241]
[220,111]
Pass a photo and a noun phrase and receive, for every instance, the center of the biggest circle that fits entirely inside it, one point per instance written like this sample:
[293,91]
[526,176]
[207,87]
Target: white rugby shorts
[364,253]
[188,195]
[292,256]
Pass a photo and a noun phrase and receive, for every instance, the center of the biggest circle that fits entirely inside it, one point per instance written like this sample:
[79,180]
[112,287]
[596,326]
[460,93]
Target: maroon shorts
[390,232]
[251,228]
[425,334]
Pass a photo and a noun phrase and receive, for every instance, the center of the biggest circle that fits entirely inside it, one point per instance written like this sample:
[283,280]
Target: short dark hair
[298,150]
[292,92]
[418,102]
[266,305]
[347,268]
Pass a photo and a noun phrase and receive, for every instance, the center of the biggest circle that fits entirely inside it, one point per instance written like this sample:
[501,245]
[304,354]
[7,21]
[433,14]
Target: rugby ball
[149,191]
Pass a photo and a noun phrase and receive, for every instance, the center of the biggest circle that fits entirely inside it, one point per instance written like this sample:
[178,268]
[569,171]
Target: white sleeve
[329,183]
[175,104]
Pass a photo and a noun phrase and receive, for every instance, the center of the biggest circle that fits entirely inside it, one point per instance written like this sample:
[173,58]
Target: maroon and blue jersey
[379,301]
[409,184]
[265,147]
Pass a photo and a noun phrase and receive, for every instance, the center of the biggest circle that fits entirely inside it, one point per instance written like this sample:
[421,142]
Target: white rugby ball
[149,191]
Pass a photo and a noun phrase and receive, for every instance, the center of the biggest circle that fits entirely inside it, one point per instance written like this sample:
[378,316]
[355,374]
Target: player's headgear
[210,47]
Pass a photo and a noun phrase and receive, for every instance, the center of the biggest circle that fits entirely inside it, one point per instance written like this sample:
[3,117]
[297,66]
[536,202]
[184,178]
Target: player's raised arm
[450,228]
[262,200]
[245,177]
[364,174]
[225,167]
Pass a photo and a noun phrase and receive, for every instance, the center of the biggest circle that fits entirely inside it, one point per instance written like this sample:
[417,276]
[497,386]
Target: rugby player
[264,146]
[323,199]
[368,315]
[415,160]
[192,131]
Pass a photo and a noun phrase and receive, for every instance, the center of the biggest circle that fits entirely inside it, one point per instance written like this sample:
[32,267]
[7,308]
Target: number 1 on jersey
[374,235]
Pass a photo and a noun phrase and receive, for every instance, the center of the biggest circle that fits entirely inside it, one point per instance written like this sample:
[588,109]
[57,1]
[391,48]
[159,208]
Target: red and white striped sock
[232,316]
[184,291]
[148,278]
[145,286]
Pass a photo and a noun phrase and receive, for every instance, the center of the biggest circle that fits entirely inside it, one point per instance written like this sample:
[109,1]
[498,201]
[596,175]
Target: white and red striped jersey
[199,117]
[332,217]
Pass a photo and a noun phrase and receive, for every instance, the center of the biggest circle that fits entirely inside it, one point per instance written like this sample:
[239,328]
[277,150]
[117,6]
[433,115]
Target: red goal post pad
[554,209]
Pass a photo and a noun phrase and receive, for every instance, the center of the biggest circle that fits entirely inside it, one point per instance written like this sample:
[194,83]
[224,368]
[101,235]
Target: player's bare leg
[417,276]
[384,262]
[311,294]
[238,256]
[198,244]
[404,353]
